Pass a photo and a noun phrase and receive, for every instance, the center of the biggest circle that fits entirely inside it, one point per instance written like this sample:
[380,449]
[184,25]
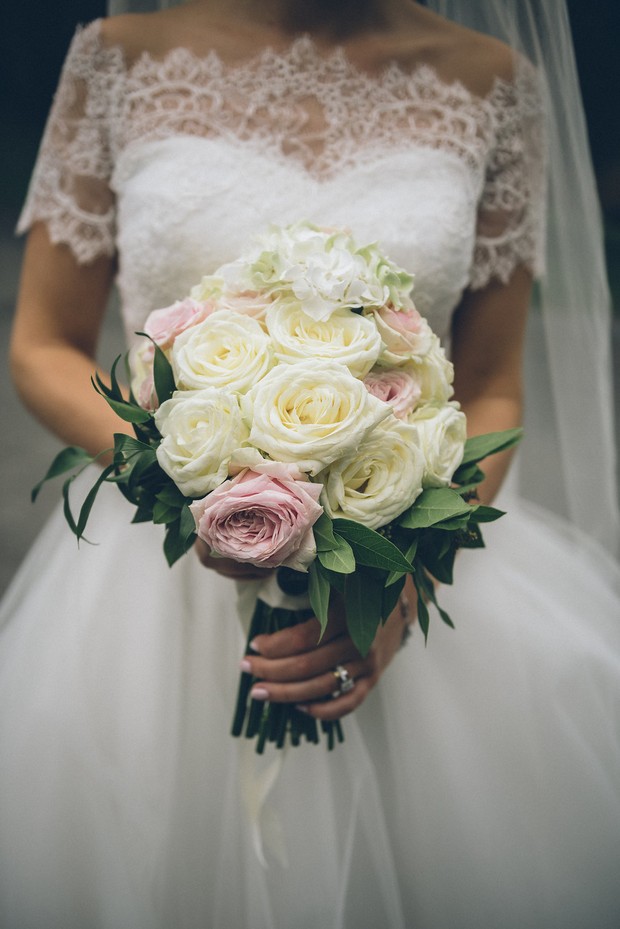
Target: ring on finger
[347,682]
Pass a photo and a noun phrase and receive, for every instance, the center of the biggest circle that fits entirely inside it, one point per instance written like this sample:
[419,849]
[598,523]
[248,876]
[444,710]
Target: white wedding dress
[479,785]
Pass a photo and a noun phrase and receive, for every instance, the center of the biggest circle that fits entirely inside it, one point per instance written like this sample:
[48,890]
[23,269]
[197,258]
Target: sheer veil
[567,462]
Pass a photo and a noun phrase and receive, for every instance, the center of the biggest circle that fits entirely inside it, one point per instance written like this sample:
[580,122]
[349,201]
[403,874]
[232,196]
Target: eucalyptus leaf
[66,460]
[340,559]
[370,548]
[481,446]
[434,506]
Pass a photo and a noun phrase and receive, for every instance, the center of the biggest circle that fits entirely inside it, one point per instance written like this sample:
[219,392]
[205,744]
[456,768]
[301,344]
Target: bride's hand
[292,668]
[226,566]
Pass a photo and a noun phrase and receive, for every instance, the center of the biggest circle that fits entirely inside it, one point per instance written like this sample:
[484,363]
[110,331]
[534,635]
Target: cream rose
[142,380]
[310,413]
[442,433]
[226,350]
[434,374]
[404,332]
[379,480]
[200,431]
[346,337]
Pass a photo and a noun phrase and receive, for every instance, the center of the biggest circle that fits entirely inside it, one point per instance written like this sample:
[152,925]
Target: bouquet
[294,411]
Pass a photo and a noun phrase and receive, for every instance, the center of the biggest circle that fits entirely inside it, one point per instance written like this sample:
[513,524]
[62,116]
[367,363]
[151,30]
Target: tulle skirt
[478,787]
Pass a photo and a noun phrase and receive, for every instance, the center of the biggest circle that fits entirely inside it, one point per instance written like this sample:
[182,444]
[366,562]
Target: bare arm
[59,313]
[487,349]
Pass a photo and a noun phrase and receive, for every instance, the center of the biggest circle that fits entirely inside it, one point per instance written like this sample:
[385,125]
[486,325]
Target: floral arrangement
[294,411]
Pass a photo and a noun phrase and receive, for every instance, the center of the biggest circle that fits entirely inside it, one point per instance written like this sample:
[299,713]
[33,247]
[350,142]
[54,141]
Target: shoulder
[455,52]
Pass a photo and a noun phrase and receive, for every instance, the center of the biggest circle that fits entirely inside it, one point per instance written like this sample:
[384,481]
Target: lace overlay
[317,114]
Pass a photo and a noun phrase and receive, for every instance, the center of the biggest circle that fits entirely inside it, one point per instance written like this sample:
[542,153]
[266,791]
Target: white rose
[379,480]
[442,433]
[141,358]
[434,375]
[209,288]
[200,431]
[310,413]
[346,337]
[227,350]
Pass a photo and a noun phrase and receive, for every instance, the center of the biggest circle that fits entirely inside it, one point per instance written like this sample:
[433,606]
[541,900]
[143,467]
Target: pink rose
[165,325]
[396,387]
[264,517]
[405,334]
[247,302]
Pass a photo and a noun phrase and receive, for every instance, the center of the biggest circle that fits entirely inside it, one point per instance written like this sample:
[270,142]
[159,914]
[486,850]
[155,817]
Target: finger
[331,710]
[303,666]
[321,687]
[296,639]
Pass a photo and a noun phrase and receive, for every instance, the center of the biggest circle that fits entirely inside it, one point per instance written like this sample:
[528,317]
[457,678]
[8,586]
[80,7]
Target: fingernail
[246,666]
[302,709]
[254,647]
[259,693]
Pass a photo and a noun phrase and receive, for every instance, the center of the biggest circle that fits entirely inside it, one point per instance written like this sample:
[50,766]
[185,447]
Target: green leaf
[117,393]
[66,460]
[480,446]
[128,412]
[437,555]
[318,592]
[171,495]
[486,514]
[187,526]
[370,548]
[175,544]
[90,499]
[434,506]
[410,553]
[127,445]
[469,475]
[453,525]
[363,597]
[162,513]
[324,537]
[390,596]
[340,559]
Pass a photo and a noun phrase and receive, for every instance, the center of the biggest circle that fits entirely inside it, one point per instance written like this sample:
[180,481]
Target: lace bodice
[175,162]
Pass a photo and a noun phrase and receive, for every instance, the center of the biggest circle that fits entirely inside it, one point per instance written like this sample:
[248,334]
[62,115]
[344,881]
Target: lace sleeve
[69,189]
[511,215]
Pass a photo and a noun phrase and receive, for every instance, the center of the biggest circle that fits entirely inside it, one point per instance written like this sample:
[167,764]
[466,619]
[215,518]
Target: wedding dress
[479,785]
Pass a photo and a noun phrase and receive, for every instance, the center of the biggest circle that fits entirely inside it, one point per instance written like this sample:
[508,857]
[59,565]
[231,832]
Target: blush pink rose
[264,517]
[396,387]
[404,332]
[166,324]
[247,302]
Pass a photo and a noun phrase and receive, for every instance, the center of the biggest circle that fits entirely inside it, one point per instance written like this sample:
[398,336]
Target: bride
[479,783]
